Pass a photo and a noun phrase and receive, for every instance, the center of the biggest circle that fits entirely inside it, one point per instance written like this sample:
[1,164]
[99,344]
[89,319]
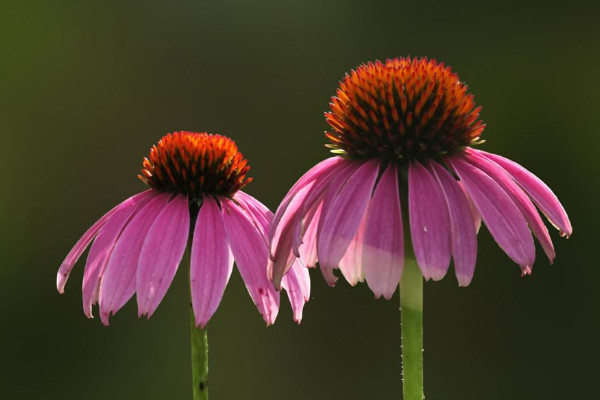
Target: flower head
[195,198]
[403,133]
[402,110]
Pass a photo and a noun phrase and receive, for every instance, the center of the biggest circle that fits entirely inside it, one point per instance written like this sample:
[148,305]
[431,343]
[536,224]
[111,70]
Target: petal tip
[104,317]
[464,281]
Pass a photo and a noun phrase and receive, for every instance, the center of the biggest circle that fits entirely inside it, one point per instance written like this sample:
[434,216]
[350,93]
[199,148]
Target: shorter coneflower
[405,172]
[195,181]
[195,197]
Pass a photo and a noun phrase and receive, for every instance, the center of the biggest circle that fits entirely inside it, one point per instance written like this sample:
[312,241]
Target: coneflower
[403,133]
[194,198]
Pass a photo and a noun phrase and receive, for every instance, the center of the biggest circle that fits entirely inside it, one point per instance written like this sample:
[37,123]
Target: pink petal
[463,233]
[251,254]
[323,191]
[161,254]
[517,195]
[282,254]
[308,248]
[286,236]
[502,217]
[429,222]
[67,265]
[257,210]
[541,194]
[321,199]
[474,213]
[103,247]
[297,281]
[351,264]
[341,219]
[297,284]
[315,172]
[383,243]
[118,281]
[211,262]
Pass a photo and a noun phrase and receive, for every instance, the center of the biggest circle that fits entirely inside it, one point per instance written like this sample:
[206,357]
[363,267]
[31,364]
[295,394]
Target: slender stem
[411,306]
[199,360]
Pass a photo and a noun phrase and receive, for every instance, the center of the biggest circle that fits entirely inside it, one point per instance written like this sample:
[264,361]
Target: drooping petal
[67,265]
[262,215]
[297,281]
[383,242]
[541,194]
[321,199]
[308,248]
[429,222]
[118,281]
[315,172]
[342,218]
[282,255]
[463,234]
[500,214]
[285,232]
[251,254]
[474,212]
[103,247]
[211,261]
[323,192]
[351,264]
[297,285]
[161,254]
[517,195]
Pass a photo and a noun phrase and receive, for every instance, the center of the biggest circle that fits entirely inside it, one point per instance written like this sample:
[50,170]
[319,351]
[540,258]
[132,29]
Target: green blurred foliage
[87,87]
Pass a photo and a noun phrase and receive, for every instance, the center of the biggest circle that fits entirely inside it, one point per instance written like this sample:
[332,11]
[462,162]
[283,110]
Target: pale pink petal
[282,254]
[71,259]
[161,254]
[500,214]
[474,213]
[251,254]
[285,240]
[321,200]
[261,214]
[315,172]
[308,248]
[297,284]
[383,243]
[541,194]
[323,191]
[351,264]
[103,247]
[463,234]
[297,281]
[211,262]
[517,195]
[429,222]
[118,280]
[341,219]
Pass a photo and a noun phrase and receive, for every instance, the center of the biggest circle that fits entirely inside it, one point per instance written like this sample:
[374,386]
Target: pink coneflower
[195,196]
[403,132]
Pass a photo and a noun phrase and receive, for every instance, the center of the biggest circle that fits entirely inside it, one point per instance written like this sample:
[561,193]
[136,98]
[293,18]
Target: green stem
[411,306]
[199,360]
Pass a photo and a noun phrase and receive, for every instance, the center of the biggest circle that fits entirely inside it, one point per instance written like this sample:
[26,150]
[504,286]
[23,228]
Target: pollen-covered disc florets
[402,109]
[195,164]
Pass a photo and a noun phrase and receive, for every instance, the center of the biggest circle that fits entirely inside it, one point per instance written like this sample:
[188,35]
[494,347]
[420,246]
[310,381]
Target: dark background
[87,88]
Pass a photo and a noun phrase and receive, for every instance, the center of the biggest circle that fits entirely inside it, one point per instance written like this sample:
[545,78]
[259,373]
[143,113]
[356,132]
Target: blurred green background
[88,87]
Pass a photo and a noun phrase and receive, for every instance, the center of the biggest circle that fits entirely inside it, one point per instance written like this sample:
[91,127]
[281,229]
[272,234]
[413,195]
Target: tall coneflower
[403,133]
[194,202]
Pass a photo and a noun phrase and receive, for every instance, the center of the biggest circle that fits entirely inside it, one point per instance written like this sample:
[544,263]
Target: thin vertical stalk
[199,360]
[411,315]
[199,344]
